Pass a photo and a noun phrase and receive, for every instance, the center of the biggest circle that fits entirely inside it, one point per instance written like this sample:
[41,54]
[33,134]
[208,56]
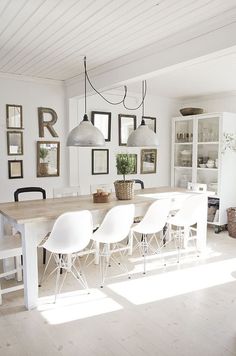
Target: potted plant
[124,188]
[43,152]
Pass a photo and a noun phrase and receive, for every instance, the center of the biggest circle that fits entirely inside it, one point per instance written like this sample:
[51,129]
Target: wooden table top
[50,209]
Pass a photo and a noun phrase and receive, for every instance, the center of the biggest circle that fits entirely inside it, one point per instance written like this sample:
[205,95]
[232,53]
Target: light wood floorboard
[182,310]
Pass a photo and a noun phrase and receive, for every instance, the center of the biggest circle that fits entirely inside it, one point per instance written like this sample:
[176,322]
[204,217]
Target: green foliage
[43,152]
[125,164]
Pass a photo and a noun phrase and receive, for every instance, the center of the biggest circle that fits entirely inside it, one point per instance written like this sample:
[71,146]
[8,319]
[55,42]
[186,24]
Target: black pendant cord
[144,92]
[103,97]
[85,91]
[143,82]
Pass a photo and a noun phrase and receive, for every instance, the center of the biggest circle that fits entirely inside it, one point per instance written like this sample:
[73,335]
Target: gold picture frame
[48,158]
[148,161]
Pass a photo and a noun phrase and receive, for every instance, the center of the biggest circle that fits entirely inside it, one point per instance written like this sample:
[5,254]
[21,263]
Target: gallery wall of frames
[126,124]
[48,152]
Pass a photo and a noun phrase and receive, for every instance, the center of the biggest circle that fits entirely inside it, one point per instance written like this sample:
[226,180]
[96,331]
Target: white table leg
[30,266]
[32,234]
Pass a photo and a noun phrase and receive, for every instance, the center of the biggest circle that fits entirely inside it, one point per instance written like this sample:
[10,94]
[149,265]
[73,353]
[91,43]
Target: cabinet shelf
[207,169]
[183,143]
[208,143]
[182,167]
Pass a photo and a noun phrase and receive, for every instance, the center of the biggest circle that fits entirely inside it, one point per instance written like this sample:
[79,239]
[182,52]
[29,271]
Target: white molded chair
[66,192]
[184,221]
[70,235]
[114,228]
[10,246]
[153,222]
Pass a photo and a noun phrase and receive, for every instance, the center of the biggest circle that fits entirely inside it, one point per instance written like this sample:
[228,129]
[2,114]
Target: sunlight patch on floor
[157,261]
[169,284]
[76,305]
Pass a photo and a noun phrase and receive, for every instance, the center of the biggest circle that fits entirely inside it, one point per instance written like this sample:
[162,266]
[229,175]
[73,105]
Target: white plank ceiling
[48,38]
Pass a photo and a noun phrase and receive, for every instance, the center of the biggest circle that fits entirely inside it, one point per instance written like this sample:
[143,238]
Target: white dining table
[35,218]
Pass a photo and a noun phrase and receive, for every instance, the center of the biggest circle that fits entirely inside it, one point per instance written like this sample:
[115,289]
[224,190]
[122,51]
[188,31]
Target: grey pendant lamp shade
[85,134]
[143,136]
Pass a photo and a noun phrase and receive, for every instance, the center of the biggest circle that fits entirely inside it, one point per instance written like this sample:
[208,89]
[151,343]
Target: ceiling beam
[182,49]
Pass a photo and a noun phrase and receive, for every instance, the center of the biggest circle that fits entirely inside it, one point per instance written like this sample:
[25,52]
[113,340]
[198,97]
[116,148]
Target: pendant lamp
[85,134]
[143,136]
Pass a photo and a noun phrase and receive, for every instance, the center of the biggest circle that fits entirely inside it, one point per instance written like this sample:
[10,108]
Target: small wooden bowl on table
[101,197]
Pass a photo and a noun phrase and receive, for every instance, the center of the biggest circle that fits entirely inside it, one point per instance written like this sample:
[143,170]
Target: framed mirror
[100,161]
[150,122]
[14,116]
[14,143]
[102,120]
[148,161]
[127,124]
[48,159]
[15,169]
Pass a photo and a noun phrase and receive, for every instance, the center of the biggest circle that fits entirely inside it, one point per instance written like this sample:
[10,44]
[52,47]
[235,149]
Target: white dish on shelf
[202,165]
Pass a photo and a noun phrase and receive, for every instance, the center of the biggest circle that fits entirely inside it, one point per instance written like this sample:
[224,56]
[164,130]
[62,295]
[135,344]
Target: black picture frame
[15,169]
[126,127]
[15,143]
[100,161]
[105,123]
[14,116]
[151,122]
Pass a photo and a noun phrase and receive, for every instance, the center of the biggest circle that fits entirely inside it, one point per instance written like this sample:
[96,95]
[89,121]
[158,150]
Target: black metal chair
[139,181]
[31,190]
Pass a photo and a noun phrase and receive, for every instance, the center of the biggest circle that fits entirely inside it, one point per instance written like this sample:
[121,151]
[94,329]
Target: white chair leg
[57,282]
[104,262]
[130,243]
[18,268]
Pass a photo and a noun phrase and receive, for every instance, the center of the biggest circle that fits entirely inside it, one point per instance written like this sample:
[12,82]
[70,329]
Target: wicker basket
[231,213]
[124,189]
[97,198]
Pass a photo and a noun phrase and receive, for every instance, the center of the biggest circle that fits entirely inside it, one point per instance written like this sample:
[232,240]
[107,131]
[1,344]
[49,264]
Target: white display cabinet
[199,156]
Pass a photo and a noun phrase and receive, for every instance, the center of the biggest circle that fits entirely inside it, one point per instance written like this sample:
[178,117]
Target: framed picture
[150,122]
[14,116]
[14,143]
[15,169]
[127,124]
[133,157]
[102,120]
[148,161]
[100,161]
[48,159]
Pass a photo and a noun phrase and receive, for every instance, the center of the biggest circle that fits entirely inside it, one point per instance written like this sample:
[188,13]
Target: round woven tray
[124,189]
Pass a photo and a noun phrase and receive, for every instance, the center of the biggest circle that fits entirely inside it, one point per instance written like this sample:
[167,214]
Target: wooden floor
[183,310]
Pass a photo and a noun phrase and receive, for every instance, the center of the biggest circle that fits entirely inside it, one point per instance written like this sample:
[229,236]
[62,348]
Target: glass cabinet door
[207,152]
[182,176]
[184,131]
[208,129]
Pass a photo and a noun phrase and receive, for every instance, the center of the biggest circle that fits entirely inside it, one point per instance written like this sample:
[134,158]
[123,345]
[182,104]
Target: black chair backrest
[139,181]
[29,190]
